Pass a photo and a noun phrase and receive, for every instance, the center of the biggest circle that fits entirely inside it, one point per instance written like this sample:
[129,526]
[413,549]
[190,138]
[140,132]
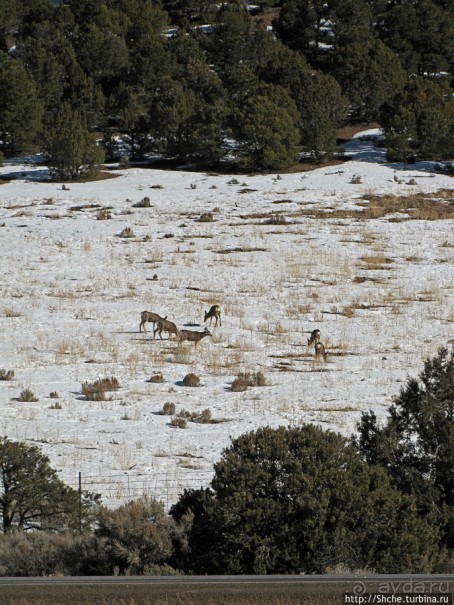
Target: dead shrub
[27,395]
[191,380]
[204,417]
[6,374]
[127,232]
[276,219]
[179,422]
[103,215]
[168,409]
[206,217]
[144,203]
[249,379]
[158,378]
[96,391]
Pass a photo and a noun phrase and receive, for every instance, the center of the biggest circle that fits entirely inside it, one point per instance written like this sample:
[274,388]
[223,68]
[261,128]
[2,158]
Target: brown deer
[314,339]
[164,325]
[320,351]
[149,316]
[215,311]
[192,336]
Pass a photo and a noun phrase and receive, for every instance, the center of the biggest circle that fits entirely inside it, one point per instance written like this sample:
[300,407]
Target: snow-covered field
[72,290]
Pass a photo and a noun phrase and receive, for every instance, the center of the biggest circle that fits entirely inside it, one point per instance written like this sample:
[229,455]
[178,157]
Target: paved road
[201,590]
[395,579]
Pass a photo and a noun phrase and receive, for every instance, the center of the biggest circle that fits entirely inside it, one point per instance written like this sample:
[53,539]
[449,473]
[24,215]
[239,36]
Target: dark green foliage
[419,123]
[31,494]
[20,109]
[265,127]
[137,536]
[184,94]
[73,153]
[420,33]
[369,74]
[301,500]
[416,444]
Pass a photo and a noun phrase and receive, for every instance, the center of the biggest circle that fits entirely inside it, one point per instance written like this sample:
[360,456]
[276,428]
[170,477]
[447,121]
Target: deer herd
[162,324]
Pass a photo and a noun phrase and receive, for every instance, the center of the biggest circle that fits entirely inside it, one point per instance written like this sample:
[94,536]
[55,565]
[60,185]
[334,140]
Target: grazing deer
[215,311]
[320,351]
[164,325]
[149,316]
[314,339]
[192,336]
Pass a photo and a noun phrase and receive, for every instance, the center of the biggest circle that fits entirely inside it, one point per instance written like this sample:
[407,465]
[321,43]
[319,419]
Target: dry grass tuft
[27,395]
[96,391]
[6,374]
[248,379]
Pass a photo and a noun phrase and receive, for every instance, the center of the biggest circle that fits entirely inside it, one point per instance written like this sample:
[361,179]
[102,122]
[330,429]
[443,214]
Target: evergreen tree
[73,154]
[419,123]
[300,25]
[323,110]
[20,109]
[421,33]
[416,444]
[31,494]
[292,500]
[266,131]
[369,74]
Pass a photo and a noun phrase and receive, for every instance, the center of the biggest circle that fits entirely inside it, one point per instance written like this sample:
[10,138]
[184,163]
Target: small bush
[6,374]
[27,395]
[96,391]
[191,380]
[168,409]
[206,217]
[158,378]
[277,219]
[103,215]
[249,379]
[56,406]
[179,422]
[54,395]
[127,232]
[144,203]
[356,179]
[239,385]
[204,417]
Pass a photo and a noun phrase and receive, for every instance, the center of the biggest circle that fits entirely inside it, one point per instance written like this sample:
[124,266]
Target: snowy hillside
[283,255]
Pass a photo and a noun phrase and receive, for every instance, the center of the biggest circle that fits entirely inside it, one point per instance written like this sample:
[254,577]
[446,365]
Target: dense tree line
[229,90]
[284,500]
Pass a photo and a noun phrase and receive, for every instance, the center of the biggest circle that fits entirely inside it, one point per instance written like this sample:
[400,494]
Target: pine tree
[293,500]
[31,494]
[20,108]
[72,151]
[416,443]
[265,128]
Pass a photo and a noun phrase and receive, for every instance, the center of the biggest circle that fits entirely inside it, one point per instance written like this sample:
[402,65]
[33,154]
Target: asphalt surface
[220,590]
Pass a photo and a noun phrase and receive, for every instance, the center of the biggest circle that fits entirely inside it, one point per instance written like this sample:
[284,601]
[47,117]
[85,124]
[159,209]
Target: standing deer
[192,336]
[164,325]
[215,311]
[149,316]
[320,351]
[314,339]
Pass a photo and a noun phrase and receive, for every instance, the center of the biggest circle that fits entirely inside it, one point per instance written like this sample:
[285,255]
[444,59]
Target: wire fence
[117,489]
